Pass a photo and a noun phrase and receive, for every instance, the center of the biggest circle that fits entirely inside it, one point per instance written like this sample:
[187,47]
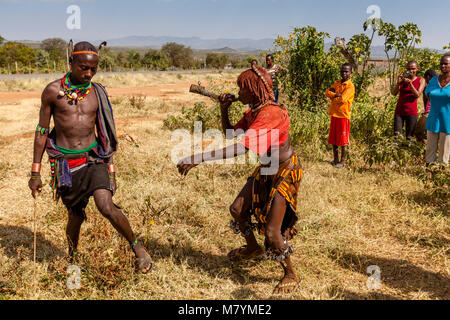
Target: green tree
[179,56]
[215,60]
[357,52]
[308,69]
[134,59]
[156,60]
[426,58]
[399,43]
[107,59]
[42,59]
[12,52]
[121,60]
[56,48]
[1,40]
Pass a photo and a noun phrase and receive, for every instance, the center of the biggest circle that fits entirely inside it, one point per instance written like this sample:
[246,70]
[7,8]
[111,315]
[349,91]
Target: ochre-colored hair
[259,83]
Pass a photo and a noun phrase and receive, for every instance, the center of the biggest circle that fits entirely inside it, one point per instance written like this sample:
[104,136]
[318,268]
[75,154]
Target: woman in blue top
[438,123]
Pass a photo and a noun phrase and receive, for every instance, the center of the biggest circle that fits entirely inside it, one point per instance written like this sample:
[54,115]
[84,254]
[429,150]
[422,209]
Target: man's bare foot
[287,285]
[143,260]
[340,165]
[245,253]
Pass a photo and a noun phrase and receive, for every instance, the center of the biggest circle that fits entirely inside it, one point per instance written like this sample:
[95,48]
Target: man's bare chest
[67,107]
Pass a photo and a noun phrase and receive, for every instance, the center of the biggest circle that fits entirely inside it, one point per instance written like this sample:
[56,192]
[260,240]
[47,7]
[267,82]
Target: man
[273,71]
[341,94]
[269,195]
[80,149]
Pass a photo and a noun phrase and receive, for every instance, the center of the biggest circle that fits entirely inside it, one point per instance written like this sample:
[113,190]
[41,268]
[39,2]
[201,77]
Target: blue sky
[210,19]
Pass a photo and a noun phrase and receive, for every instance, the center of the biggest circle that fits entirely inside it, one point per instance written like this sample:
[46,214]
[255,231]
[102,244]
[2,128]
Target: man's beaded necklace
[74,92]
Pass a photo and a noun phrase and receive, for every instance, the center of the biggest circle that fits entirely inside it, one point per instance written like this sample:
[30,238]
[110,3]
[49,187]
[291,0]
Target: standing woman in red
[410,87]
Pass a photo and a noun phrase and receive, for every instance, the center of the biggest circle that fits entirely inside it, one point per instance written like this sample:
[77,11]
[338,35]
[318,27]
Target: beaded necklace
[74,92]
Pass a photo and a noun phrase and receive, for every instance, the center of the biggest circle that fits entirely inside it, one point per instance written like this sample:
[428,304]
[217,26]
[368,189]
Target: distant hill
[202,46]
[194,43]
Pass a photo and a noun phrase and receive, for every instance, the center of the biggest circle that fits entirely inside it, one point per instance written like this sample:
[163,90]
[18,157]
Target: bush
[309,70]
[436,178]
[394,151]
[137,101]
[309,130]
[217,61]
[178,55]
[209,116]
[156,60]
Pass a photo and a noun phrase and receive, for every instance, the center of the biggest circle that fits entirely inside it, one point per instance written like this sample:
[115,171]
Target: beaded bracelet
[42,131]
[134,243]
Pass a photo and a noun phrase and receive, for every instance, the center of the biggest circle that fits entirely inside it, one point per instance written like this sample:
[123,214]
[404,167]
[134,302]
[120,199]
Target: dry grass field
[349,219]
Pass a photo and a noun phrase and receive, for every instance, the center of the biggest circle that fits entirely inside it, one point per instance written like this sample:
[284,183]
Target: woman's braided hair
[268,87]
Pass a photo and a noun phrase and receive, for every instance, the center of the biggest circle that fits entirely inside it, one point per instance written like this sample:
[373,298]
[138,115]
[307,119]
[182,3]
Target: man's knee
[104,203]
[106,208]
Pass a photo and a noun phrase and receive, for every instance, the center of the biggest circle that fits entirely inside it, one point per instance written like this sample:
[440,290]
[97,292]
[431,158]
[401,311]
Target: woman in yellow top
[342,94]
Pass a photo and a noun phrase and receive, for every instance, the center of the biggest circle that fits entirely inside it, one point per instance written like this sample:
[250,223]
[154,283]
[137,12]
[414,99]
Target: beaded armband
[42,131]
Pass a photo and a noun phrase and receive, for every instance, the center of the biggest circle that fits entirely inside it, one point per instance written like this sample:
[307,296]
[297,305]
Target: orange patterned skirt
[287,183]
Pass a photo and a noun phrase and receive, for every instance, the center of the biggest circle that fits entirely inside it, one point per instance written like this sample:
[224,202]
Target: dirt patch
[150,91]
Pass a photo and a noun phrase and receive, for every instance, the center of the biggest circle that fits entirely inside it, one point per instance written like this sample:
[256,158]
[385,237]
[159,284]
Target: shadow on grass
[399,274]
[215,265]
[349,295]
[18,244]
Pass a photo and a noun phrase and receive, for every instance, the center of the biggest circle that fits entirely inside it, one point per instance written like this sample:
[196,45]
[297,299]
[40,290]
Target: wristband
[36,167]
[111,168]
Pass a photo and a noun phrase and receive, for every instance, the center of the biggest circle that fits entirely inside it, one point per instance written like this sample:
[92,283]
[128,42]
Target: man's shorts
[84,182]
[339,132]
